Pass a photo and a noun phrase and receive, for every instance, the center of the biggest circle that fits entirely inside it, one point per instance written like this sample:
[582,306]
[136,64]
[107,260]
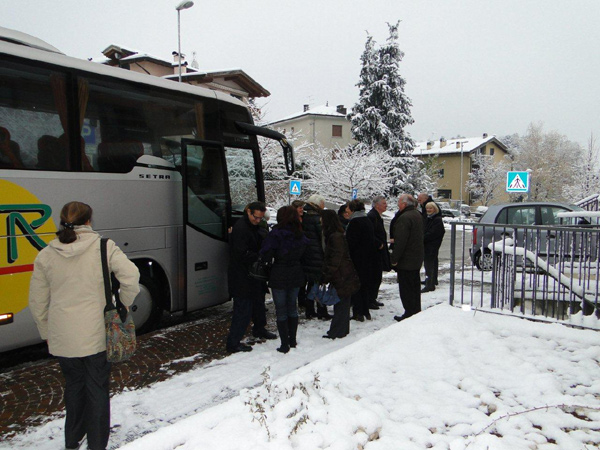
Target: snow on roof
[146,56]
[469,144]
[321,110]
[18,37]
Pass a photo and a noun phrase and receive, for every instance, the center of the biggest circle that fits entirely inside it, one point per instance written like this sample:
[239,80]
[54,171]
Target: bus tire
[146,309]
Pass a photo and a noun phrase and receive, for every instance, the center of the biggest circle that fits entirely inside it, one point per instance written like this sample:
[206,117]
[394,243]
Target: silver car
[506,220]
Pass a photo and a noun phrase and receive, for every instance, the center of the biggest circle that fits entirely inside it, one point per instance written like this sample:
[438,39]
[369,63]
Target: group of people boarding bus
[311,248]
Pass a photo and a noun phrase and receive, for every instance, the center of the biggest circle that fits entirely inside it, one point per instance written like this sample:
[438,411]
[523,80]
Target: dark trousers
[302,296]
[431,270]
[242,314]
[340,324]
[285,303]
[362,298]
[409,282]
[376,284]
[87,400]
[259,314]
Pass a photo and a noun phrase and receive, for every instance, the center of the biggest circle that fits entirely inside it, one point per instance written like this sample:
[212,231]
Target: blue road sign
[517,182]
[295,187]
[354,194]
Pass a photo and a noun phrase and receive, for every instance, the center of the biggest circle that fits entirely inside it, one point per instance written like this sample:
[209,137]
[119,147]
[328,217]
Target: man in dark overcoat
[363,247]
[248,294]
[379,206]
[407,256]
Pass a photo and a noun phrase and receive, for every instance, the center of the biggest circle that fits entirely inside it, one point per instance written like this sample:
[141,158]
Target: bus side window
[10,152]
[51,154]
[119,157]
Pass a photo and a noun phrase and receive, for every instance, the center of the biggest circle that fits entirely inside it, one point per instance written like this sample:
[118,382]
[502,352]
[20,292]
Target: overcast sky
[471,66]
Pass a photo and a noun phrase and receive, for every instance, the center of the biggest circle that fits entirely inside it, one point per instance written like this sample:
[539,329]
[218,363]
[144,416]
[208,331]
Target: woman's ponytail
[72,214]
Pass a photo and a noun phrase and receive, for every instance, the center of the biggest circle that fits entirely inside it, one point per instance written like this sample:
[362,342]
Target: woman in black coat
[339,271]
[313,258]
[364,248]
[433,236]
[286,245]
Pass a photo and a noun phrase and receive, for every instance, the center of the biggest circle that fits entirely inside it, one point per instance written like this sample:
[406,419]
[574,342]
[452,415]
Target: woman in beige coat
[66,299]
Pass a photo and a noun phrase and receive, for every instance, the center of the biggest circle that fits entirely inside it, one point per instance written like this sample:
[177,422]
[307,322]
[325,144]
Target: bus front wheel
[146,309]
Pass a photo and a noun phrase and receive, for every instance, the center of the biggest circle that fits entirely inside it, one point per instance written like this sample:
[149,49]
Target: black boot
[292,329]
[309,306]
[282,327]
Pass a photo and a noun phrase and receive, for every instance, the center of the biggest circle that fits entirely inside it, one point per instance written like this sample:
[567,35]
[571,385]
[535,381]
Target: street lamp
[461,173]
[185,4]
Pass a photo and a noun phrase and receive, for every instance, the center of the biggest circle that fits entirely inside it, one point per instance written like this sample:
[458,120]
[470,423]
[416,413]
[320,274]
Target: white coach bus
[167,168]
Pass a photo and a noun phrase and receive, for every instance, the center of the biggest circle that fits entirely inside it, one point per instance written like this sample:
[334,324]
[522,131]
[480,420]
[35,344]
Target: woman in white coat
[66,299]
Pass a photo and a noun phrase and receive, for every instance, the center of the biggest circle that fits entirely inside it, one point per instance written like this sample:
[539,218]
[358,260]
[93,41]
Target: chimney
[485,135]
[457,144]
[341,110]
[176,63]
[305,108]
[442,142]
[429,145]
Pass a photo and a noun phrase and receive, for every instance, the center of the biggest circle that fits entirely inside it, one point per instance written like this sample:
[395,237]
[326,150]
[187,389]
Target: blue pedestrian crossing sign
[295,187]
[354,194]
[517,182]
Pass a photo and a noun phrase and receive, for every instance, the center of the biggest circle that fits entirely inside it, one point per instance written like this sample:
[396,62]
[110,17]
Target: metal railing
[589,203]
[543,272]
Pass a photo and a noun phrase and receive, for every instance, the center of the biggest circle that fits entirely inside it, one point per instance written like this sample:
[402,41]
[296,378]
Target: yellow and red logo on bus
[25,229]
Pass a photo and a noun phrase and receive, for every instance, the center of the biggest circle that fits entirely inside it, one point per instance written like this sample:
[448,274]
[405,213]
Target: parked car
[514,214]
[478,212]
[450,213]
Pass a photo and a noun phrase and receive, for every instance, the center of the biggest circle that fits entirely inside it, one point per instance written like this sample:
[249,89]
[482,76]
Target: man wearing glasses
[248,294]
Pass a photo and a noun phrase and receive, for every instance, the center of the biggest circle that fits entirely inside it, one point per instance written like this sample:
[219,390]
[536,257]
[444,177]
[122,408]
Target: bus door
[207,206]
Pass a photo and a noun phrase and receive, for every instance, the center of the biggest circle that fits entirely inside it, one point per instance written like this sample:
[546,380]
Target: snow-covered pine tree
[382,113]
[365,117]
[383,110]
[394,103]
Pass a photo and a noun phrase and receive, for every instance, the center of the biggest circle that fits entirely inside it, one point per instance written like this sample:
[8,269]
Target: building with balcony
[455,162]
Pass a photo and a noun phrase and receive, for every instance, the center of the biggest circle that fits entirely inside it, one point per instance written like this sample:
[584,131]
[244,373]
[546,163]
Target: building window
[292,130]
[336,131]
[441,173]
[444,193]
[492,151]
[482,151]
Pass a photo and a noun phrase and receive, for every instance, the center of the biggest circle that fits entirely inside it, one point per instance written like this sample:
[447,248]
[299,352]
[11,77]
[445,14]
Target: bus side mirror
[288,156]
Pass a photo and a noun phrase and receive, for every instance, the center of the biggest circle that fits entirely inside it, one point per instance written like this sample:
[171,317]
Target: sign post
[517,182]
[295,189]
[354,194]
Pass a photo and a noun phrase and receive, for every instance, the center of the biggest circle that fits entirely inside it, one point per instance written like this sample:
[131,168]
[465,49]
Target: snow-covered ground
[444,379]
